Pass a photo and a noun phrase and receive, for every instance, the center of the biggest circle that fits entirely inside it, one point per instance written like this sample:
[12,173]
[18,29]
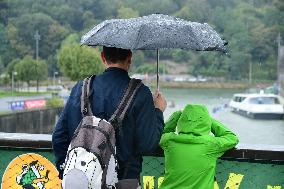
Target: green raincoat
[191,151]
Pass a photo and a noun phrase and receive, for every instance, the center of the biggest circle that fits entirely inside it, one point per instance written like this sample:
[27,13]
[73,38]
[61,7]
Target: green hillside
[251,28]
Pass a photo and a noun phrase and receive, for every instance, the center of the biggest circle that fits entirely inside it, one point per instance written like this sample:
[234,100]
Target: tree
[279,4]
[6,52]
[3,39]
[11,67]
[89,20]
[153,6]
[105,9]
[69,16]
[151,68]
[78,62]
[125,12]
[3,12]
[29,69]
[179,55]
[138,58]
[1,66]
[72,39]
[53,66]
[198,11]
[21,33]
[249,26]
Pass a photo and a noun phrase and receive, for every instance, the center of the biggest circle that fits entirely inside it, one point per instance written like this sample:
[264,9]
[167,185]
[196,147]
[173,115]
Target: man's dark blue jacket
[141,129]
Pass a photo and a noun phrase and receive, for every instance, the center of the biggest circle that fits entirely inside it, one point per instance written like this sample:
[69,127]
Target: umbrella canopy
[155,31]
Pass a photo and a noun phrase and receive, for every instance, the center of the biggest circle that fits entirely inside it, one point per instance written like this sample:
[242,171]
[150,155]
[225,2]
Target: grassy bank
[210,85]
[5,113]
[9,93]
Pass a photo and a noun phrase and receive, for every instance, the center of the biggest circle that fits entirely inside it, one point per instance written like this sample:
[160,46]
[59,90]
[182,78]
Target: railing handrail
[273,153]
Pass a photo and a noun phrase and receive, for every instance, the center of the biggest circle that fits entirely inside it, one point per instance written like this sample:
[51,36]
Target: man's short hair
[115,55]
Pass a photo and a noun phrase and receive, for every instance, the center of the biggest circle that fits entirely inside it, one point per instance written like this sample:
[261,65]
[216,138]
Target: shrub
[55,102]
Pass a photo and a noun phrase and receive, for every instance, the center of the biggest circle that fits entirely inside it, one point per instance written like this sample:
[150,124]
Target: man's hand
[159,101]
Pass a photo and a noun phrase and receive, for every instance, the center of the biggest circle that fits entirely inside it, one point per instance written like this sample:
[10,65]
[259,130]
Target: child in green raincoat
[190,151]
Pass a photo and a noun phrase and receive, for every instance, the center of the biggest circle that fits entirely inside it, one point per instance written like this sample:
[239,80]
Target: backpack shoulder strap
[85,94]
[118,116]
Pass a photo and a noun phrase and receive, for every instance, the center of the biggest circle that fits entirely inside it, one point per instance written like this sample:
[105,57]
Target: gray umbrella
[154,32]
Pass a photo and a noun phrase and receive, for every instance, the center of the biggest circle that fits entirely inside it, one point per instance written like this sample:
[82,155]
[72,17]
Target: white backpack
[91,158]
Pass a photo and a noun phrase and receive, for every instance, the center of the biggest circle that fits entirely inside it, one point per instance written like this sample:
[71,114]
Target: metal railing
[238,168]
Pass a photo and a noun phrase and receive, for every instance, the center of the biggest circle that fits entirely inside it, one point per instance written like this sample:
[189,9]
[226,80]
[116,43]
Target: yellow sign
[148,182]
[30,171]
[233,182]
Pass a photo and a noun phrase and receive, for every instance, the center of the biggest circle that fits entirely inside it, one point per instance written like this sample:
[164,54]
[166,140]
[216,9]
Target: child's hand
[171,123]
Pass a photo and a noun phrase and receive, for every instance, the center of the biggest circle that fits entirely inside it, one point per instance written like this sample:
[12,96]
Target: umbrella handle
[158,86]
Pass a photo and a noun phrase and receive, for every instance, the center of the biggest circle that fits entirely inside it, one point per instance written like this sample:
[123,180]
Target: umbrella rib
[138,36]
[196,37]
[93,33]
[106,24]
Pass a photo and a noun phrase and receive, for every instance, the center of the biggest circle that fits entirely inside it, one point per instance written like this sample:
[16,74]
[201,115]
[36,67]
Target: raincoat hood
[195,120]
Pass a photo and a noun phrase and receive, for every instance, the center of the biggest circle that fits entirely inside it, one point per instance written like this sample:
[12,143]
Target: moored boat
[258,106]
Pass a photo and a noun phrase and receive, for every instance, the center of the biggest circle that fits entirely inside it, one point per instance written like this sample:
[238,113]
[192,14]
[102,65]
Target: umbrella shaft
[158,87]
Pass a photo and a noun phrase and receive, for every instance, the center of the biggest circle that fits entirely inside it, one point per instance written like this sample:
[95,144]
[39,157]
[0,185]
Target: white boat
[259,106]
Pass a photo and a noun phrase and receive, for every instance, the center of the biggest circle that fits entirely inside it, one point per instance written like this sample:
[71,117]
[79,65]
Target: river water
[263,134]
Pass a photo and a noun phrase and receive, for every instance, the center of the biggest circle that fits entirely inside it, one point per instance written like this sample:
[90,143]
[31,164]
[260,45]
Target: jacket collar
[115,69]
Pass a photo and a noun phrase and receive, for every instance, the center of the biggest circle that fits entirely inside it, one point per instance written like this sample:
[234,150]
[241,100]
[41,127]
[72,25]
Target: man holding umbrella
[143,124]
[141,128]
